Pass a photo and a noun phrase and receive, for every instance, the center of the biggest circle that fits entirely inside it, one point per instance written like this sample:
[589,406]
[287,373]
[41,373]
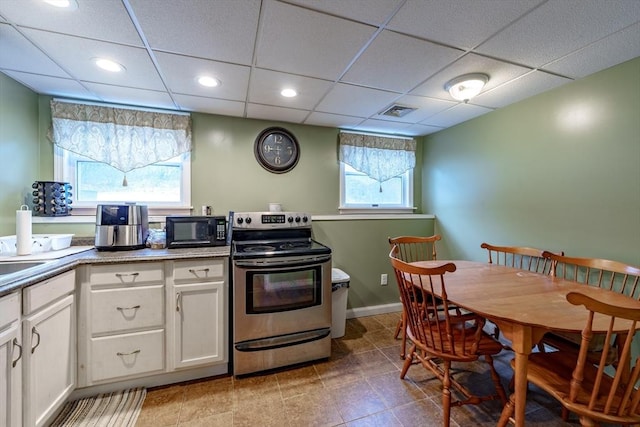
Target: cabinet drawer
[199,270]
[137,273]
[114,310]
[41,294]
[127,355]
[9,309]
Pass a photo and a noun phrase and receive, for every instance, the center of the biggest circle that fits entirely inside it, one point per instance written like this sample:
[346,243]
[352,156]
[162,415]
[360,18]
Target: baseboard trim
[353,313]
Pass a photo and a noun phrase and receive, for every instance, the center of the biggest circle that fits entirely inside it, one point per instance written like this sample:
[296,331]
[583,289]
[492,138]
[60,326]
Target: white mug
[275,207]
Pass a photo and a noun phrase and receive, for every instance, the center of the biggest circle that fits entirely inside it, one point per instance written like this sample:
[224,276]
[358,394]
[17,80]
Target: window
[116,154]
[376,173]
[164,185]
[358,191]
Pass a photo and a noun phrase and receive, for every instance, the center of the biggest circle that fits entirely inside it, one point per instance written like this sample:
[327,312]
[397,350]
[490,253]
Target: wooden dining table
[524,305]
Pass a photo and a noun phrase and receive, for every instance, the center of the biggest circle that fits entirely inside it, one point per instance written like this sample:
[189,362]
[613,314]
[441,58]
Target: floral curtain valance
[124,138]
[381,158]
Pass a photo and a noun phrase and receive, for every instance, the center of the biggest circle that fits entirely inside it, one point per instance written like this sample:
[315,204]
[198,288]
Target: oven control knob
[297,219]
[248,220]
[240,220]
[305,219]
[290,219]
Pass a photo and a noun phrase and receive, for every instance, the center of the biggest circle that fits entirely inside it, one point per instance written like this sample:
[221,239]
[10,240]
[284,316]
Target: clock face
[277,150]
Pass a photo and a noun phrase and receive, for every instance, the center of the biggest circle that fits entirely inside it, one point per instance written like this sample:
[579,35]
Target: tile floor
[358,386]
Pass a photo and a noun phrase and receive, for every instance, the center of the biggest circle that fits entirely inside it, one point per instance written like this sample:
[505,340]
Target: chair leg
[446,393]
[496,379]
[408,360]
[401,328]
[507,412]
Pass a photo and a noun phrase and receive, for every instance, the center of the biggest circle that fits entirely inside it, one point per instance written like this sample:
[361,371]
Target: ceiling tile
[462,24]
[18,53]
[131,96]
[78,53]
[419,130]
[181,73]
[210,105]
[308,43]
[223,31]
[333,120]
[381,126]
[559,27]
[373,12]
[355,100]
[607,52]
[52,85]
[266,85]
[455,115]
[397,62]
[103,20]
[499,73]
[524,87]
[263,112]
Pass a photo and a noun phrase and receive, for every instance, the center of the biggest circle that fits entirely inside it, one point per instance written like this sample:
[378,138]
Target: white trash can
[339,294]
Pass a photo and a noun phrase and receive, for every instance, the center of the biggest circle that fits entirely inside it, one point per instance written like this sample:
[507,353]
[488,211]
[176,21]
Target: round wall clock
[277,150]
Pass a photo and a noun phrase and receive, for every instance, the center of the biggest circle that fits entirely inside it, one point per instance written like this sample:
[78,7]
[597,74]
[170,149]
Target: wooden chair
[607,274]
[440,337]
[522,257]
[583,387]
[410,249]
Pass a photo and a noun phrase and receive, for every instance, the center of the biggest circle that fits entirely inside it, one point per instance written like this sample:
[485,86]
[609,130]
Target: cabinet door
[198,323]
[10,377]
[49,359]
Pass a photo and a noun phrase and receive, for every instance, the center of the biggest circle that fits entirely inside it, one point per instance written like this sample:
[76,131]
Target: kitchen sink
[14,267]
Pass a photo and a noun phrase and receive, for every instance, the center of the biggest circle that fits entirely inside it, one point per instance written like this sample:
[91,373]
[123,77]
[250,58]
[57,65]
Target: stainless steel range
[281,291]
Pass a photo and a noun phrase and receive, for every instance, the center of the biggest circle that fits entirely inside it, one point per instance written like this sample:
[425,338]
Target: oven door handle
[275,262]
[281,341]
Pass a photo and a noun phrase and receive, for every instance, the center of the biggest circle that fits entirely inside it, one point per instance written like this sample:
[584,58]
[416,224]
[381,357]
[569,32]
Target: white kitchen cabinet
[49,350]
[122,323]
[197,306]
[10,361]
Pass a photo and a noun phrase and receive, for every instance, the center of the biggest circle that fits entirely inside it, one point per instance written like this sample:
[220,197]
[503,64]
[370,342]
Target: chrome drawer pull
[195,271]
[121,276]
[128,354]
[15,344]
[135,307]
[35,332]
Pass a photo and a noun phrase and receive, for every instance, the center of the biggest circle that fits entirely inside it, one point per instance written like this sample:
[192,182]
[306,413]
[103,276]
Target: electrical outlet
[383,279]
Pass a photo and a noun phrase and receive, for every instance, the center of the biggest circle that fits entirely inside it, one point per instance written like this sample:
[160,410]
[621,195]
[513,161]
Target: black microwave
[195,231]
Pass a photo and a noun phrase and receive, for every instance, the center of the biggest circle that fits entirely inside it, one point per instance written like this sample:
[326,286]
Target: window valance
[381,158]
[124,138]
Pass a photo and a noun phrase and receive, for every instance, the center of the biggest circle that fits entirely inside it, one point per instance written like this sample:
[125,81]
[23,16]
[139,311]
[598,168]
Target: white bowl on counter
[40,243]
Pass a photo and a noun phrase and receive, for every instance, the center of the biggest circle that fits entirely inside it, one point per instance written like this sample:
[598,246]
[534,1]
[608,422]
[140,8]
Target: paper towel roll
[23,231]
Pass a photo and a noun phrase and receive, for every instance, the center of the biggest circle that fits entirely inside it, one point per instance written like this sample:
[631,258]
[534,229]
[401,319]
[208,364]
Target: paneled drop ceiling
[349,60]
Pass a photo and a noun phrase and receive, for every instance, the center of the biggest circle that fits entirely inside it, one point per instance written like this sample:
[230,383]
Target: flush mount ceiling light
[109,65]
[208,81]
[69,4]
[465,87]
[288,93]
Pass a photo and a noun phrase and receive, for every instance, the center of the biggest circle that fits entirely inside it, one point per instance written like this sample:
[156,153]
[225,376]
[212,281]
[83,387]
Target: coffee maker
[121,227]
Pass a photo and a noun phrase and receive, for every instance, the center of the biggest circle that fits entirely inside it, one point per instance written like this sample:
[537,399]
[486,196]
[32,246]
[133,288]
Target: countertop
[52,267]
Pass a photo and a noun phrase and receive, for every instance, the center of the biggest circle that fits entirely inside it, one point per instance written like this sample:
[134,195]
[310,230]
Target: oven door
[280,296]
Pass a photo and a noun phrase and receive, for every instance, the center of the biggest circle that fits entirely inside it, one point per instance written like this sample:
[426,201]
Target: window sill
[82,219]
[367,216]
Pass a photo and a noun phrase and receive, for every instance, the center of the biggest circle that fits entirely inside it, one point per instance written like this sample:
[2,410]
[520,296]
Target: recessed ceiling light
[109,65]
[208,81]
[288,93]
[68,4]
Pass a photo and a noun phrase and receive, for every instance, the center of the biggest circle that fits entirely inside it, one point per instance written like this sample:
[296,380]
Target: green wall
[19,149]
[560,171]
